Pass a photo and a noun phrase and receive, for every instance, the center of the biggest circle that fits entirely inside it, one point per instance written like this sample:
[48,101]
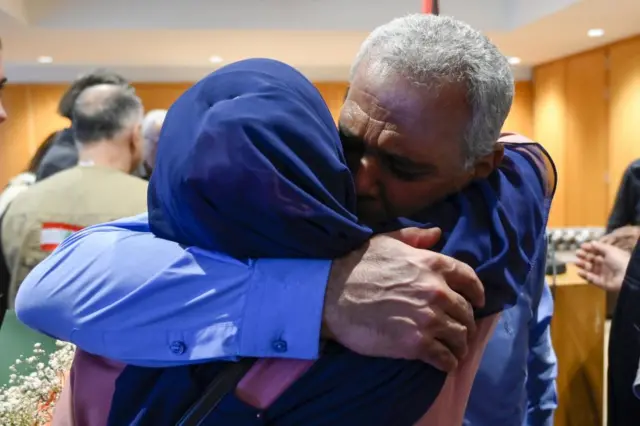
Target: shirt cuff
[283,311]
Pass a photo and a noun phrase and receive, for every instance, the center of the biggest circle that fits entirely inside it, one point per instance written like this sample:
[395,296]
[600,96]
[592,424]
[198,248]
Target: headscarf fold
[250,163]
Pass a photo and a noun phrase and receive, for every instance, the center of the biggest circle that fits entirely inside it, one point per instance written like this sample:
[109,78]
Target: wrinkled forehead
[419,121]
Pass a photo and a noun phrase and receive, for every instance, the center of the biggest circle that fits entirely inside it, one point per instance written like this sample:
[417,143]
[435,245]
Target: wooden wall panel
[586,155]
[549,127]
[520,119]
[15,134]
[624,111]
[32,115]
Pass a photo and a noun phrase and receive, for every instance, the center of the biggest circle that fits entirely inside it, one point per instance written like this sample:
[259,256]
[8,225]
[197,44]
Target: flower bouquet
[34,387]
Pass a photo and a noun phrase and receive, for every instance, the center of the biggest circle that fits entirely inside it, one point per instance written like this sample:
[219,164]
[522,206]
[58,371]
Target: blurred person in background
[151,126]
[107,129]
[622,227]
[27,178]
[616,270]
[64,153]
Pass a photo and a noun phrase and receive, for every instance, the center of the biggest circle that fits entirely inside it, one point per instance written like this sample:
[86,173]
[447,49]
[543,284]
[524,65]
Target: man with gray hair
[420,124]
[151,126]
[447,71]
[106,128]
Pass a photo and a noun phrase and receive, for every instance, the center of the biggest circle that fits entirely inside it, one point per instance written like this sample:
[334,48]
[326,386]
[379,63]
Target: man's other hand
[624,238]
[392,300]
[603,265]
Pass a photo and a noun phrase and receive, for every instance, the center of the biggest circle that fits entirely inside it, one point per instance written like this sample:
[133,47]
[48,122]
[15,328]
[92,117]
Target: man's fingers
[584,265]
[417,237]
[437,355]
[458,310]
[454,335]
[461,278]
[592,278]
[583,254]
[600,248]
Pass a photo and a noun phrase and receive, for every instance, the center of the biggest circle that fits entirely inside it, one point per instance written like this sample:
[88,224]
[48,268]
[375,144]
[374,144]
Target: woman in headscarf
[250,163]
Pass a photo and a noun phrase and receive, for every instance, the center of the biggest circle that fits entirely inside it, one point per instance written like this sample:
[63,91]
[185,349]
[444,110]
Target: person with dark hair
[16,186]
[27,178]
[614,269]
[107,129]
[64,154]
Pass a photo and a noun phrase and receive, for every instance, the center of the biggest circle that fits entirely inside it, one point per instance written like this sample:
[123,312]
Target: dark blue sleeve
[497,225]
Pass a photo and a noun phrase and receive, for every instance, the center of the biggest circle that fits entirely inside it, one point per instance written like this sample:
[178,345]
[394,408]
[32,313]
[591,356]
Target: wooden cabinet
[577,331]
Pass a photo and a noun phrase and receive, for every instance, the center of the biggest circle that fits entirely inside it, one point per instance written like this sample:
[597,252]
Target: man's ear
[135,146]
[136,139]
[484,166]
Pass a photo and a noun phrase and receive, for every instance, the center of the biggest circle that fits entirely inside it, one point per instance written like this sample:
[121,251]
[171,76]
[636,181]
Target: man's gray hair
[434,50]
[151,126]
[103,111]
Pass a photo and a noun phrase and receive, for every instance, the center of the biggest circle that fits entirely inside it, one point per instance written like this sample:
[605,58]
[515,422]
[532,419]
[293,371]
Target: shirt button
[280,346]
[178,347]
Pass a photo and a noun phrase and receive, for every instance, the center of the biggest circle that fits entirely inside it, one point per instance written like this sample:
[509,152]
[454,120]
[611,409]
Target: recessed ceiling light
[215,59]
[514,60]
[45,59]
[595,32]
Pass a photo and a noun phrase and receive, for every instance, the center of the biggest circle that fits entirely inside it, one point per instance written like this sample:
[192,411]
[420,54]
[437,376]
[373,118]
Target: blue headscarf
[250,163]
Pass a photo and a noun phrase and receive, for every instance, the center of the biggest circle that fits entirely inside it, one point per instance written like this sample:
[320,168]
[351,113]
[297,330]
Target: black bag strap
[224,382]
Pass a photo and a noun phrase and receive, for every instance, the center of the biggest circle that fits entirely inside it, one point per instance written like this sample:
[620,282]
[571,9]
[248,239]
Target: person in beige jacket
[107,129]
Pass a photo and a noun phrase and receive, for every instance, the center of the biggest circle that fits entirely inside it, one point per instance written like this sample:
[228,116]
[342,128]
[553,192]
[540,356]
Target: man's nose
[367,177]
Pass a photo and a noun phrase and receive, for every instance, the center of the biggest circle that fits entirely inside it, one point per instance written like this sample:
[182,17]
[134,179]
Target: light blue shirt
[516,380]
[255,308]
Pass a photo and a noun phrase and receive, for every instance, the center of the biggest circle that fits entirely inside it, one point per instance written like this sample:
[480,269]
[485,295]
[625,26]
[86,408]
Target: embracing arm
[157,315]
[117,291]
[542,365]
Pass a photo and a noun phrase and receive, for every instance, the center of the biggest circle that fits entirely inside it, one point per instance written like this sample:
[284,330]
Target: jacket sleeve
[173,305]
[624,206]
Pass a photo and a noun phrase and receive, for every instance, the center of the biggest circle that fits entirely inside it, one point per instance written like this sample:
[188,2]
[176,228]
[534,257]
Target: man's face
[3,80]
[405,144]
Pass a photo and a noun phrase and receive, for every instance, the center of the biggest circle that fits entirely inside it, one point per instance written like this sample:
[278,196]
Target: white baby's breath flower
[33,383]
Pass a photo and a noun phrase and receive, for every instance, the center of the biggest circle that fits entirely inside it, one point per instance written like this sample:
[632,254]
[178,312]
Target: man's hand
[603,265]
[624,238]
[392,300]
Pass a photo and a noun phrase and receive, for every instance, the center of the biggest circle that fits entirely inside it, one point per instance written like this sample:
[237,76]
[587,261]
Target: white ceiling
[168,40]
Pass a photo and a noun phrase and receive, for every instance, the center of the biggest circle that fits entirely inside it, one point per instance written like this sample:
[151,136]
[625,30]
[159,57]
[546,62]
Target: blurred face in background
[3,80]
